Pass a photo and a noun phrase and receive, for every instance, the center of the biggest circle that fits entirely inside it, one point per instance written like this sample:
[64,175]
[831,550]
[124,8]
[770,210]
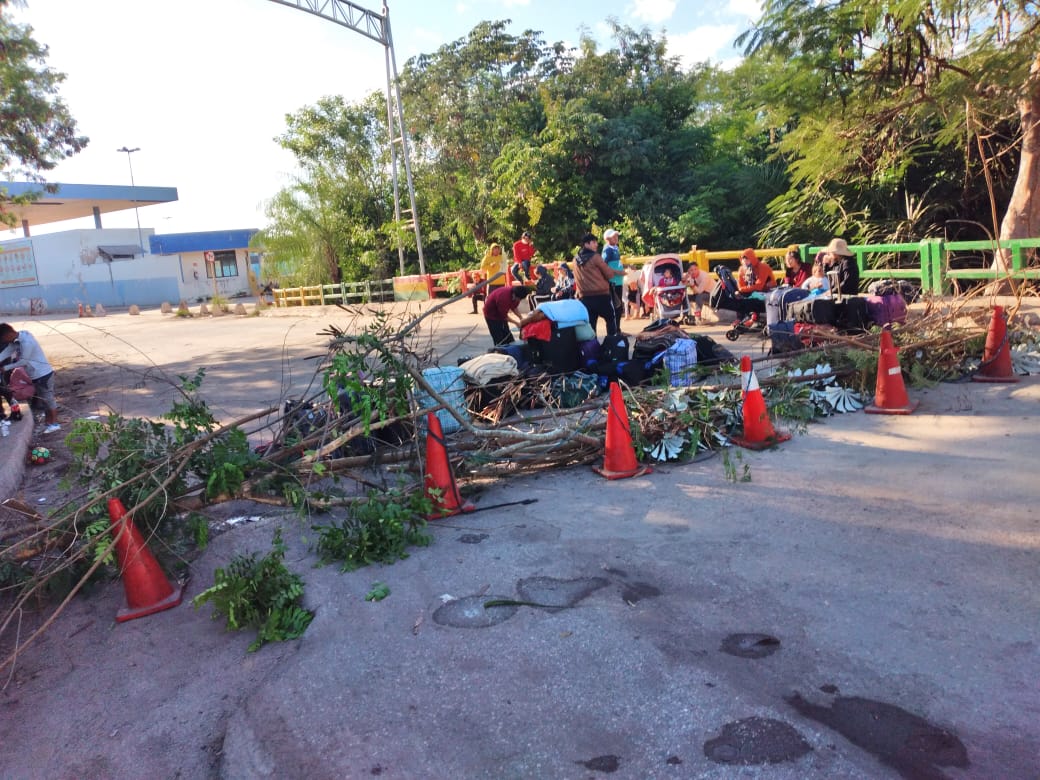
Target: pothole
[750,645]
[469,612]
[472,538]
[756,741]
[553,593]
[601,763]
[904,741]
[637,591]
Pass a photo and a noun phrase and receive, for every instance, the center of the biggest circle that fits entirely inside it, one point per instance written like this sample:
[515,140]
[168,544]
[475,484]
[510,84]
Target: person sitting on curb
[26,351]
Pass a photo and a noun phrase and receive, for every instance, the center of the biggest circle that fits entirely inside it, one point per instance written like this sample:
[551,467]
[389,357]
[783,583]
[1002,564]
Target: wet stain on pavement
[750,645]
[601,763]
[637,591]
[906,742]
[472,538]
[756,741]
[553,594]
[470,612]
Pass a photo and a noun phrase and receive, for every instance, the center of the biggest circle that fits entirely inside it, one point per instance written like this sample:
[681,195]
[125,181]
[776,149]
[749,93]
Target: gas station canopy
[74,201]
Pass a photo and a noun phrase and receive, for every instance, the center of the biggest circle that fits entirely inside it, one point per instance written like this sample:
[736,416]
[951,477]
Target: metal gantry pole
[399,135]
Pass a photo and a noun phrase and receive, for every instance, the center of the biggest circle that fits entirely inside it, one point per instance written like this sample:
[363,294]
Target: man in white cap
[612,257]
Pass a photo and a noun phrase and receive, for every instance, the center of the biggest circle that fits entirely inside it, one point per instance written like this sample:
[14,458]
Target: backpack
[614,348]
[20,385]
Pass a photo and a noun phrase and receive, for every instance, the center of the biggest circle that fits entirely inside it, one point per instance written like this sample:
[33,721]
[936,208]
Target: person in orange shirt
[755,279]
[523,252]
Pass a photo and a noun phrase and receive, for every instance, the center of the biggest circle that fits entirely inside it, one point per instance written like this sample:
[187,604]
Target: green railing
[939,265]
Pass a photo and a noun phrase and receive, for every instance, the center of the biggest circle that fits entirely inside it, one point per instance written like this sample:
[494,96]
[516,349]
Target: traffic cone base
[147,589]
[996,357]
[778,437]
[439,484]
[619,456]
[759,433]
[129,613]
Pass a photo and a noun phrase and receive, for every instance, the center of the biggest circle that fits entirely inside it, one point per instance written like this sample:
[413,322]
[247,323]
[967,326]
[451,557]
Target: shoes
[52,428]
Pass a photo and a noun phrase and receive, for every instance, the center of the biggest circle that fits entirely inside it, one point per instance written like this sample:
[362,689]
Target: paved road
[887,565]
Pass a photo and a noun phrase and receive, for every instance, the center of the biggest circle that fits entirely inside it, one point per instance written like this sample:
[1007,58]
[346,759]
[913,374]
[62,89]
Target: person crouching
[502,307]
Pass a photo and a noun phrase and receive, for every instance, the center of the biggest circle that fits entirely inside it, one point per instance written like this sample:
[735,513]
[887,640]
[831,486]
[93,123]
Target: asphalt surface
[877,579]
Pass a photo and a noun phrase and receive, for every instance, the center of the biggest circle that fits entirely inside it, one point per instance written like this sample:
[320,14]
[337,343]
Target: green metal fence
[939,266]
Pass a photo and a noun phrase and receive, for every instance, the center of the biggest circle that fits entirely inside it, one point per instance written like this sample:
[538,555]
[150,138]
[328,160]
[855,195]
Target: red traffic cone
[758,430]
[890,393]
[147,589]
[996,358]
[440,484]
[619,457]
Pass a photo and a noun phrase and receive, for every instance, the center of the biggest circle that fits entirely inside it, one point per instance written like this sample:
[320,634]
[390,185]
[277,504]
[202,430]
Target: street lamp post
[137,214]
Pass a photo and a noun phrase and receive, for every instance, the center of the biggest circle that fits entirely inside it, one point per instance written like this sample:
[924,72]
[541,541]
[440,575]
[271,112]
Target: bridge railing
[938,266]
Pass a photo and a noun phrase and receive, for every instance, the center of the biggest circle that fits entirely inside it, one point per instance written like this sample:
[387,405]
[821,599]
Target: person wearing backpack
[592,279]
[26,352]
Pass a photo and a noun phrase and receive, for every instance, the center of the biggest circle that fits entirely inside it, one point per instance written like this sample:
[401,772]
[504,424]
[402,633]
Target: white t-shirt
[27,352]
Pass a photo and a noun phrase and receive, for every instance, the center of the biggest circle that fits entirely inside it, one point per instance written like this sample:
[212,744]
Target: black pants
[499,330]
[601,306]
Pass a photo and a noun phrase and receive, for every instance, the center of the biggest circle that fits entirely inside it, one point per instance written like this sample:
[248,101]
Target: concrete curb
[12,455]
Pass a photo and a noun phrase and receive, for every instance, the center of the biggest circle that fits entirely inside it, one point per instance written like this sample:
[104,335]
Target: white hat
[610,233]
[837,246]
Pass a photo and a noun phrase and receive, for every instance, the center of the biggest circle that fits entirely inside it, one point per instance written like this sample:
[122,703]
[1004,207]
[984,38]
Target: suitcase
[559,354]
[886,309]
[850,313]
[813,311]
[778,301]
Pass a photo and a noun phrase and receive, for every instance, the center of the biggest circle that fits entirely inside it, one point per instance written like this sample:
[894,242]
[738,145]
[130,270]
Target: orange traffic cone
[890,393]
[147,589]
[440,482]
[619,457]
[758,430]
[996,358]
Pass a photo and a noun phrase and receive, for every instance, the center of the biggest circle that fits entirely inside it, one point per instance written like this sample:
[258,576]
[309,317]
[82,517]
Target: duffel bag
[813,311]
[886,309]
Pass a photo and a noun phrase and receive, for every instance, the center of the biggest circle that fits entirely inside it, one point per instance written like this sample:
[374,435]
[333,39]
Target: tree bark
[1022,218]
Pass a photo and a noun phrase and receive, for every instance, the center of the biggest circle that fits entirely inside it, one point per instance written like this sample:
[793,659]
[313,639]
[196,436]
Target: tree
[335,221]
[895,100]
[36,129]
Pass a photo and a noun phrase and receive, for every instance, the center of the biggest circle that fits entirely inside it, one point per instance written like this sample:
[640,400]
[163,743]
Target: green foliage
[107,454]
[259,593]
[378,592]
[38,130]
[377,529]
[369,373]
[227,458]
[735,468]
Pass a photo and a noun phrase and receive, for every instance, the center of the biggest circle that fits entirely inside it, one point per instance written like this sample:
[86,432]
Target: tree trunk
[1022,218]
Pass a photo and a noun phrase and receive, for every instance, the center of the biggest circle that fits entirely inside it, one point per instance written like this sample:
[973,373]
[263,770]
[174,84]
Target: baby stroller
[668,302]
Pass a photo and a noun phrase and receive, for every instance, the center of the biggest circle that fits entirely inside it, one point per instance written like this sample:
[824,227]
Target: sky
[202,87]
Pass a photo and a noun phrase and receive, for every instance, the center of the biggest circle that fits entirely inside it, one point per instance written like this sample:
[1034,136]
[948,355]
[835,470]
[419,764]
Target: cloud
[653,11]
[711,42]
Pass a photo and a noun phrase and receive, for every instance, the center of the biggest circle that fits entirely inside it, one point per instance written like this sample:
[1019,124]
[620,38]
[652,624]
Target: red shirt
[523,251]
[499,303]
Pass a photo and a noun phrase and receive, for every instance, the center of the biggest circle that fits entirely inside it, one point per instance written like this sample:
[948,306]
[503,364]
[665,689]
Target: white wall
[70,271]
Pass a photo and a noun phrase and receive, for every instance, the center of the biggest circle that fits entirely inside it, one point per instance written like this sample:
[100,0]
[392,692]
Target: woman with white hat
[840,258]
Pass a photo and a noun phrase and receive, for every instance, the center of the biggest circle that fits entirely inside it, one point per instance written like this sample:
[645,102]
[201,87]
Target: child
[817,284]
